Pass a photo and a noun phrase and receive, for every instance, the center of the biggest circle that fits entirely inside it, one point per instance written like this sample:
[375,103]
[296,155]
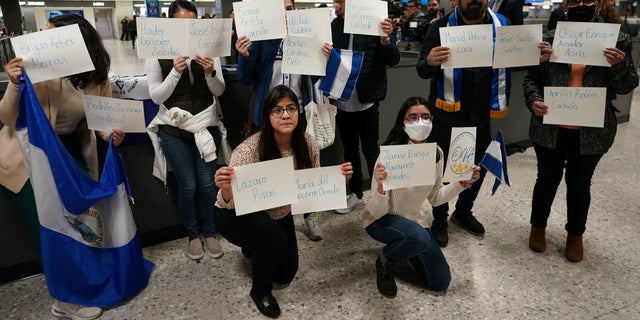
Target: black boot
[385,280]
[267,305]
[440,230]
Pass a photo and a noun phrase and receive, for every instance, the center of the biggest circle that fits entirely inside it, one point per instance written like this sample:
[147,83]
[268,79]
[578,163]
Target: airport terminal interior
[493,277]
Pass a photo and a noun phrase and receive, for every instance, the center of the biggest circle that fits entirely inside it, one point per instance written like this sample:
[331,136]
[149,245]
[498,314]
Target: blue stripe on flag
[356,64]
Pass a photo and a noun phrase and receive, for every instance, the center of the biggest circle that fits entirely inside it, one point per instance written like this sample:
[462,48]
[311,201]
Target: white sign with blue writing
[584,42]
[263,185]
[303,55]
[161,38]
[575,106]
[209,37]
[408,165]
[53,53]
[517,46]
[260,20]
[469,46]
[319,189]
[315,23]
[365,16]
[104,113]
[462,153]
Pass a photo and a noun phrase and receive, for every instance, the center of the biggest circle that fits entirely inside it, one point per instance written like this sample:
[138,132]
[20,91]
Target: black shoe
[246,253]
[439,229]
[385,280]
[469,223]
[267,305]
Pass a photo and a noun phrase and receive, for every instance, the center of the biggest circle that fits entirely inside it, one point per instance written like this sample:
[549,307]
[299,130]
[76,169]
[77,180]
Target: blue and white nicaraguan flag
[495,161]
[343,68]
[91,252]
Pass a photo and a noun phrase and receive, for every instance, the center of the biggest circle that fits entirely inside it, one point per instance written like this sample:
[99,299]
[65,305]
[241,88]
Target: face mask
[581,13]
[418,131]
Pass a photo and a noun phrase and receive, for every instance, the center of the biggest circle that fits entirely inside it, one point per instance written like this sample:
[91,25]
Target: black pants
[466,197]
[579,171]
[357,128]
[273,245]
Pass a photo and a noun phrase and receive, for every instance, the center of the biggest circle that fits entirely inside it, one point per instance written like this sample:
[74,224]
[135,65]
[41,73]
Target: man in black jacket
[357,119]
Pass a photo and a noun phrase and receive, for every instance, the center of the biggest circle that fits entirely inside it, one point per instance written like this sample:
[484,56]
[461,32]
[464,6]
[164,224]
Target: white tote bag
[321,121]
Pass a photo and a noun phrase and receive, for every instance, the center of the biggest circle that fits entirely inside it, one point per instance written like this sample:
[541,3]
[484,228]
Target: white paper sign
[578,106]
[517,46]
[408,165]
[260,20]
[263,185]
[462,152]
[161,38]
[583,42]
[469,46]
[53,53]
[302,55]
[319,189]
[315,23]
[168,38]
[364,17]
[104,113]
[209,37]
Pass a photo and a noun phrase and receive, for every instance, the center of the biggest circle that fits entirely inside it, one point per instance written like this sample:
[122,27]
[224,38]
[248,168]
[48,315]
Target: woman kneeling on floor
[394,216]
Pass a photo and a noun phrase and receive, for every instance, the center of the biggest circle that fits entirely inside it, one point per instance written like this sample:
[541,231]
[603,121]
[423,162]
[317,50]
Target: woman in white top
[394,216]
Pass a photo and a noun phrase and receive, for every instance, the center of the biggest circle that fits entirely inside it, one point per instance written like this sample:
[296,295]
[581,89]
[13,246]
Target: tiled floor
[496,277]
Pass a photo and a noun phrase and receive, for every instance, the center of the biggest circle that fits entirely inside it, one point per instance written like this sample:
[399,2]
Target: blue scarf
[449,90]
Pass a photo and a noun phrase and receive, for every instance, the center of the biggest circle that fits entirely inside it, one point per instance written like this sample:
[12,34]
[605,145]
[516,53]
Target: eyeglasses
[413,118]
[278,111]
[575,3]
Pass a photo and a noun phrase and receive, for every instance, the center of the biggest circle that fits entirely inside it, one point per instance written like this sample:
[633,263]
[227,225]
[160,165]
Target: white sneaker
[213,247]
[74,311]
[314,232]
[194,250]
[352,202]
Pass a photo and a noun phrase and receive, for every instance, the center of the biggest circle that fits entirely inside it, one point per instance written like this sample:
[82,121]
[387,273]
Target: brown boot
[574,251]
[537,241]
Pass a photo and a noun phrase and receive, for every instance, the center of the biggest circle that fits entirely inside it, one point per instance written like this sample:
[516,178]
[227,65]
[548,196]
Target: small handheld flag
[343,68]
[495,161]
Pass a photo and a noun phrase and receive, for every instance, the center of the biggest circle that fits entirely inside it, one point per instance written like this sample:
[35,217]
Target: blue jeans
[191,173]
[578,170]
[405,239]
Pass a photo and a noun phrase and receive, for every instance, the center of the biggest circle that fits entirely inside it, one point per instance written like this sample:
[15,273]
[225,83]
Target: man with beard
[465,97]
[434,11]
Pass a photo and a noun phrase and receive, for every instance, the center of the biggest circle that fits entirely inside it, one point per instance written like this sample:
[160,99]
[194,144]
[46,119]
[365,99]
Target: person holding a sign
[570,149]
[268,237]
[61,100]
[358,119]
[462,97]
[189,129]
[394,217]
[260,66]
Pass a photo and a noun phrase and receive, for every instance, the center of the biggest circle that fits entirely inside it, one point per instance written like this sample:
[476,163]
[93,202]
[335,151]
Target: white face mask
[418,131]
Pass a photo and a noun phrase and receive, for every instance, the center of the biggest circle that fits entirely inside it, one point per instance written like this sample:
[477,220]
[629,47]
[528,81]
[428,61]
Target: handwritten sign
[105,113]
[161,38]
[319,189]
[578,106]
[469,46]
[168,38]
[53,53]
[315,23]
[260,20]
[209,37]
[462,152]
[583,42]
[517,46]
[263,185]
[302,55]
[364,17]
[408,165]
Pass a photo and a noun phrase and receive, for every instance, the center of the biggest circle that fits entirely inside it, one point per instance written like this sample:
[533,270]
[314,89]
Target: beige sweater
[62,104]
[407,202]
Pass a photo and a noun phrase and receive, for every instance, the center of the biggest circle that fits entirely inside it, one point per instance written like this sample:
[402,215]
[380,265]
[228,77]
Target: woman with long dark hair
[61,100]
[394,217]
[268,237]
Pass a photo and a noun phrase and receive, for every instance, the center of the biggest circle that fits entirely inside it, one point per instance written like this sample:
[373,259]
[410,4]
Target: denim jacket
[618,79]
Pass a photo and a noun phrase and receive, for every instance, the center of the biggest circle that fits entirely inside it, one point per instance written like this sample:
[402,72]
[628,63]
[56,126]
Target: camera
[396,8]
